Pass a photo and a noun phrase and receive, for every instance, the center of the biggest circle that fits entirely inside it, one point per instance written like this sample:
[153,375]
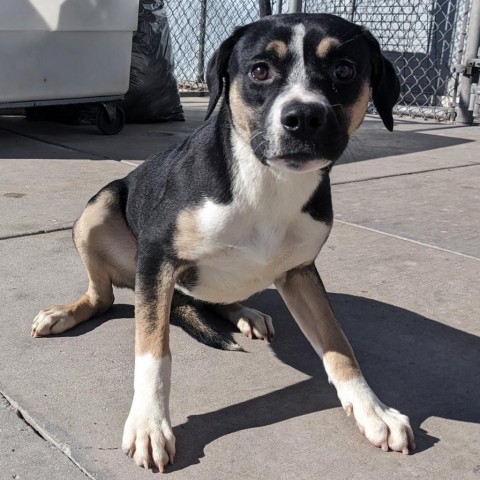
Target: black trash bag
[153,94]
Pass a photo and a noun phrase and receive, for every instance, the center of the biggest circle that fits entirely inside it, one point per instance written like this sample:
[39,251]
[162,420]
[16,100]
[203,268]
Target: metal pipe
[294,6]
[413,111]
[464,115]
[461,51]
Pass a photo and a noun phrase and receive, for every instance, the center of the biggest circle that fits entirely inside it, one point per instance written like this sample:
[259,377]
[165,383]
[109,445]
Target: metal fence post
[353,11]
[464,115]
[294,6]
[201,42]
[265,8]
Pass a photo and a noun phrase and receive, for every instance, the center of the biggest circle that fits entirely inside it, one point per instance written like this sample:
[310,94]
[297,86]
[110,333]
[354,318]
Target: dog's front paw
[52,321]
[148,438]
[384,427]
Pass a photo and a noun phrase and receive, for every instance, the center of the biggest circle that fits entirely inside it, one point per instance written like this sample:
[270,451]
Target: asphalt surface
[402,268]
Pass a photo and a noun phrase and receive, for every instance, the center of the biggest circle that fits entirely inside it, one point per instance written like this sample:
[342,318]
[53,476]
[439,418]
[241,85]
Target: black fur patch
[319,206]
[189,278]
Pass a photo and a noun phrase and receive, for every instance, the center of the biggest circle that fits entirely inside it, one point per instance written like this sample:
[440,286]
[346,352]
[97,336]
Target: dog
[242,203]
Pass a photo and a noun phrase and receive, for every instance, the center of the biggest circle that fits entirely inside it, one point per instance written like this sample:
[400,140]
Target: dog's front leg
[304,293]
[148,435]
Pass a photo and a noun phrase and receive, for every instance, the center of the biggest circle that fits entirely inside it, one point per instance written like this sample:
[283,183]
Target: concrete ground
[402,268]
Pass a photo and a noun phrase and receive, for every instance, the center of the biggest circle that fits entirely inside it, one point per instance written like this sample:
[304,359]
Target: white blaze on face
[298,75]
[296,90]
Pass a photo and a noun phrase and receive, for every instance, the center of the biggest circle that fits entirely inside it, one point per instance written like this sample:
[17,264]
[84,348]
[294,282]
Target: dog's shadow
[417,365]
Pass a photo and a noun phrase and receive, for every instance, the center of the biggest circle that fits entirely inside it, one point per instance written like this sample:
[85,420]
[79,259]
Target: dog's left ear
[384,82]
[217,70]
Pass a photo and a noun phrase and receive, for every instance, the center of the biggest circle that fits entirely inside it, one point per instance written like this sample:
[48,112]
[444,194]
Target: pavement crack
[43,433]
[23,419]
[43,231]
[406,239]
[96,448]
[404,174]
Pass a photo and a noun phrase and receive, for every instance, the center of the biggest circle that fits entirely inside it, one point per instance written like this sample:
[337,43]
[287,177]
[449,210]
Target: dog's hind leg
[250,322]
[107,249]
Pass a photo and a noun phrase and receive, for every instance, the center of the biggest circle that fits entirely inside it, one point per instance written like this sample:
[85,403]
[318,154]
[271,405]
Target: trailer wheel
[110,119]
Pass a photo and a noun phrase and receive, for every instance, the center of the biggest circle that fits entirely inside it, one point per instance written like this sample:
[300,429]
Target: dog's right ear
[384,82]
[217,70]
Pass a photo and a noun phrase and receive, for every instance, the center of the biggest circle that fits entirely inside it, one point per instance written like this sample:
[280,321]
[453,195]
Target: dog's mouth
[298,162]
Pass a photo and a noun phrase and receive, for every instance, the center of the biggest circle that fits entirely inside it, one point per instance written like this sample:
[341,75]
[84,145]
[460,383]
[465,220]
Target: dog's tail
[187,314]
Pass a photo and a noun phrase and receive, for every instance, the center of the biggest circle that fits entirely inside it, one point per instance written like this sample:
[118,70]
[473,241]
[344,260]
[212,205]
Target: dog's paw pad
[51,321]
[255,324]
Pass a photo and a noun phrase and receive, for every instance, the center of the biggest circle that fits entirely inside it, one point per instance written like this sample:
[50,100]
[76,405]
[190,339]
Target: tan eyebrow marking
[325,45]
[278,47]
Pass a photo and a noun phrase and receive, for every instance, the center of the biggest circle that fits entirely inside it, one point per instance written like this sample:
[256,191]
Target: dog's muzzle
[309,136]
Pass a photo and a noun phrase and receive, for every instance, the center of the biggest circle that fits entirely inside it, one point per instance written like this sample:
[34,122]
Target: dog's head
[297,86]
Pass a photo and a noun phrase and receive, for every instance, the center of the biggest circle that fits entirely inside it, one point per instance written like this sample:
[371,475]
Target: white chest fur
[243,246]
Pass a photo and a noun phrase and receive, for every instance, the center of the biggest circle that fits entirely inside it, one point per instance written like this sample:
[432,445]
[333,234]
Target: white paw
[51,321]
[148,438]
[383,426]
[255,324]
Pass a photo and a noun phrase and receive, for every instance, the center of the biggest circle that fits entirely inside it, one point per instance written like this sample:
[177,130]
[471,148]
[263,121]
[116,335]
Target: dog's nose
[304,120]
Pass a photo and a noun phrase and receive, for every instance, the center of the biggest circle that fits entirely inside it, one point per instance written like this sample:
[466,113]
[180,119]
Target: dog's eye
[344,72]
[261,72]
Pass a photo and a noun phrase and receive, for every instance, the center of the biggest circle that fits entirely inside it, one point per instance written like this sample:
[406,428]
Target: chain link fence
[424,39]
[197,27]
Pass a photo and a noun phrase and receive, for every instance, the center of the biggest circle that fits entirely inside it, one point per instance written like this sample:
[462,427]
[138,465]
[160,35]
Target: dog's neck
[259,185]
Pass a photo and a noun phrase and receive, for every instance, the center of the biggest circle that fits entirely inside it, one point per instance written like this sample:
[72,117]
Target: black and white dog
[244,202]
